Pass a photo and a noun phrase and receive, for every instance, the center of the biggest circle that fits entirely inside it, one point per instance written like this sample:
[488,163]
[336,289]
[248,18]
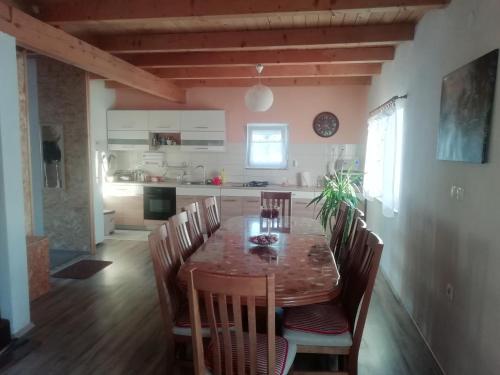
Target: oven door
[159,203]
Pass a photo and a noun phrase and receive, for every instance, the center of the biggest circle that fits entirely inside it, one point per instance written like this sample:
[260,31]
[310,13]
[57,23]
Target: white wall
[14,298]
[436,240]
[100,100]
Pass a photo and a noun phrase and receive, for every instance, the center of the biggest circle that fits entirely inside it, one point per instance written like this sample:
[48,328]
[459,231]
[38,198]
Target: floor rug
[82,269]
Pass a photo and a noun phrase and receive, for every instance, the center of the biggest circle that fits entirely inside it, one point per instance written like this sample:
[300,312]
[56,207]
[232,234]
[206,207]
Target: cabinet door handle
[229,200]
[201,127]
[201,148]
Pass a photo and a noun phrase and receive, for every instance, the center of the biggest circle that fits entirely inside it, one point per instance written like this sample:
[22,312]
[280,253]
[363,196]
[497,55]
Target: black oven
[159,203]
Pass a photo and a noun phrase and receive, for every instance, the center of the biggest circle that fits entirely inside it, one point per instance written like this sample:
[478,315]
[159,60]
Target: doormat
[82,269]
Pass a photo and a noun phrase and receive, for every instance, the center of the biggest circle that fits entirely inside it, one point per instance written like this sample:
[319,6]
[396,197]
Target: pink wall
[296,106]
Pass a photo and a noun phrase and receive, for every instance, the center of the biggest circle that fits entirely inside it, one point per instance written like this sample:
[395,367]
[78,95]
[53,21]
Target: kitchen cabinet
[251,206]
[183,200]
[127,120]
[231,206]
[129,211]
[200,141]
[128,140]
[164,121]
[128,203]
[299,208]
[203,120]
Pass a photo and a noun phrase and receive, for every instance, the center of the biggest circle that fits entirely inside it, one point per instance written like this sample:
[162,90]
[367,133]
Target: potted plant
[339,186]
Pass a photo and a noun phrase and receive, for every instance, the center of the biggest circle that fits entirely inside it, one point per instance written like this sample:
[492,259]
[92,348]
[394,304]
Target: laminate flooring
[111,324]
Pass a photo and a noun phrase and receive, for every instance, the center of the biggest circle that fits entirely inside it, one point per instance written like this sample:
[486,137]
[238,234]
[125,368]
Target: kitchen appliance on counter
[256,184]
[159,202]
[137,175]
[123,176]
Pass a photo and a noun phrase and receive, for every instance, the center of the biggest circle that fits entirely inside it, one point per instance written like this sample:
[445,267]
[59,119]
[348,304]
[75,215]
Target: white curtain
[383,157]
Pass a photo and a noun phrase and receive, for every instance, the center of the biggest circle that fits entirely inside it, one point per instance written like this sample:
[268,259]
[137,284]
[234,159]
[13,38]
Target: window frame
[276,126]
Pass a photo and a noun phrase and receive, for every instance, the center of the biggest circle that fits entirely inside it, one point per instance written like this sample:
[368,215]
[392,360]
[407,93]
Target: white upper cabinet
[127,120]
[164,121]
[203,120]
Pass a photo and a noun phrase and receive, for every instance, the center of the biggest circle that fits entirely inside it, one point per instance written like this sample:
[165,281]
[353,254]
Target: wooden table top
[304,267]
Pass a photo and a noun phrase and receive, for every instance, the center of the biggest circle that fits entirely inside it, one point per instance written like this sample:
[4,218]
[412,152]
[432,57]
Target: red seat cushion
[281,353]
[325,318]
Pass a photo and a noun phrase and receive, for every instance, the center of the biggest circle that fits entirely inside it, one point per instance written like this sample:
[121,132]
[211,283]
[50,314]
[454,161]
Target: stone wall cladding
[62,100]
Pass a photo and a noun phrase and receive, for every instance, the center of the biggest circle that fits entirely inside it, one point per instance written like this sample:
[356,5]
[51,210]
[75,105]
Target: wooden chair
[180,233]
[194,224]
[173,302]
[332,328]
[166,263]
[338,230]
[212,217]
[236,351]
[277,198]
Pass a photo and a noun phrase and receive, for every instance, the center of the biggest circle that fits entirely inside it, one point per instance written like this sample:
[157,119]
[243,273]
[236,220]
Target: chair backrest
[277,198]
[212,217]
[338,230]
[354,251]
[223,292]
[166,263]
[357,213]
[180,234]
[350,228]
[194,224]
[359,283]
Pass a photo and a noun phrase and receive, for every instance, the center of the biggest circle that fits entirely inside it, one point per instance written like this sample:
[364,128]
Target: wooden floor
[110,324]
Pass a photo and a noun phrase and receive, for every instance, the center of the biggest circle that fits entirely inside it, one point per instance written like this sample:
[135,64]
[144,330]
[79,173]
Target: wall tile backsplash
[313,158]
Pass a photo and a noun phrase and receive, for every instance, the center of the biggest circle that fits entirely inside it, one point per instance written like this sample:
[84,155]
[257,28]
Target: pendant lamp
[259,98]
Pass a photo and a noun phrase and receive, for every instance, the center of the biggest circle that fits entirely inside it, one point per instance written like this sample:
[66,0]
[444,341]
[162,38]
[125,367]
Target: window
[267,146]
[383,157]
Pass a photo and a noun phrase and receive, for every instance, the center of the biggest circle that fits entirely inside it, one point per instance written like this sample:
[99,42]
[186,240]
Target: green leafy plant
[341,186]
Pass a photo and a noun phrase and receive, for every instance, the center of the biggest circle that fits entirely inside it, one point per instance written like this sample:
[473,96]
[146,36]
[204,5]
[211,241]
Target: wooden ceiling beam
[250,58]
[366,35]
[58,12]
[47,40]
[304,81]
[275,71]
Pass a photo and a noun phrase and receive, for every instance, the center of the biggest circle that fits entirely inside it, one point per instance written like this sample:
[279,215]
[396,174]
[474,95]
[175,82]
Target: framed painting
[467,99]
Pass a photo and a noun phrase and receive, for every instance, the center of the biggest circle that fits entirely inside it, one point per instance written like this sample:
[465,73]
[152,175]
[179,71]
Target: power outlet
[450,291]
[457,193]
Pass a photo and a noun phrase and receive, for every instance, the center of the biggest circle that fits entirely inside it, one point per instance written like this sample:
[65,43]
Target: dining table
[304,267]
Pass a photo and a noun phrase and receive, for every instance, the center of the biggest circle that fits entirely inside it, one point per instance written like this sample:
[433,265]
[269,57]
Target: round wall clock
[325,124]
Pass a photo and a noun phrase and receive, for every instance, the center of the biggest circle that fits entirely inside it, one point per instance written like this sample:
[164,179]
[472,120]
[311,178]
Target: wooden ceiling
[218,42]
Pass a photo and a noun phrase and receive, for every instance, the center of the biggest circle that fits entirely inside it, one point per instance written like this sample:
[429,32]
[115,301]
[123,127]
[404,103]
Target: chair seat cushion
[322,324]
[285,354]
[323,318]
[182,325]
[318,339]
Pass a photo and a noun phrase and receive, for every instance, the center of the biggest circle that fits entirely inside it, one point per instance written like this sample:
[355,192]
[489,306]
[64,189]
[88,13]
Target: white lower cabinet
[251,206]
[300,208]
[231,206]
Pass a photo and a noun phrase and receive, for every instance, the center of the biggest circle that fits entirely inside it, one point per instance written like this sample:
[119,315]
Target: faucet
[204,172]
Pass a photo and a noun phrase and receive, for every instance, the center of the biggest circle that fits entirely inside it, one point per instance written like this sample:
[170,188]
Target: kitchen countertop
[229,185]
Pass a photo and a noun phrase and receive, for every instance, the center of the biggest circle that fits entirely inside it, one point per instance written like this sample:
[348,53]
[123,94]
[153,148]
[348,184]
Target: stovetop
[256,184]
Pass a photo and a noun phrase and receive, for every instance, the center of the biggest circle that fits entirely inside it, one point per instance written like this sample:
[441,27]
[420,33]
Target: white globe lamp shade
[259,98]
